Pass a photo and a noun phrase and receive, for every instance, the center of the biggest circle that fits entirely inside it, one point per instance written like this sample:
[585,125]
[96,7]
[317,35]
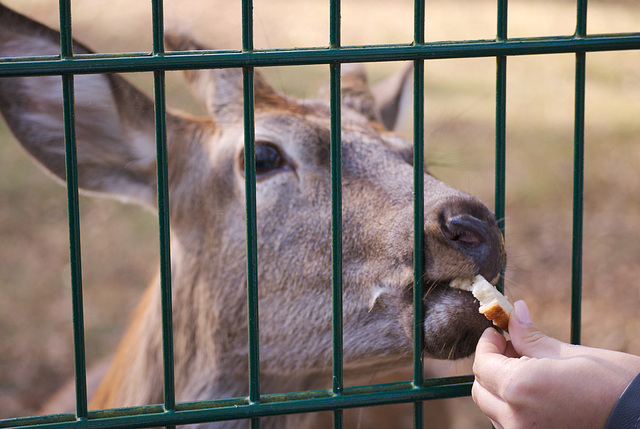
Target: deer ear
[384,102]
[220,90]
[393,96]
[355,91]
[114,122]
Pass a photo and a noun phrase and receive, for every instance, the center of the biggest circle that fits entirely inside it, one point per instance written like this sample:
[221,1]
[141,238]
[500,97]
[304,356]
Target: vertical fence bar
[336,209]
[250,195]
[66,34]
[247,25]
[501,125]
[581,21]
[578,191]
[163,211]
[578,179]
[336,237]
[418,236]
[418,212]
[66,52]
[252,257]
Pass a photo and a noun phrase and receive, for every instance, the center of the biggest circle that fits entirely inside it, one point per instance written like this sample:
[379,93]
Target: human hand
[536,381]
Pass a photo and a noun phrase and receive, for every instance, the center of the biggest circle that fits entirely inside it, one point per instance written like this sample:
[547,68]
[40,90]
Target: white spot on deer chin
[375,294]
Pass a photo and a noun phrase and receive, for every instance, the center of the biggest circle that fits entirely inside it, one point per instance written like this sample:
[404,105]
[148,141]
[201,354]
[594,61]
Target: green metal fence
[338,397]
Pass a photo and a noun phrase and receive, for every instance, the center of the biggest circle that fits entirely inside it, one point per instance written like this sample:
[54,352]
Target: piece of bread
[493,304]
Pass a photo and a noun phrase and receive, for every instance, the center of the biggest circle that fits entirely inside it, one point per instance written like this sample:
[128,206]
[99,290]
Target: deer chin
[452,323]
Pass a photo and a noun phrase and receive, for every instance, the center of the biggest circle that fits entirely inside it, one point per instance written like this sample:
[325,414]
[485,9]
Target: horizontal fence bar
[269,405]
[141,62]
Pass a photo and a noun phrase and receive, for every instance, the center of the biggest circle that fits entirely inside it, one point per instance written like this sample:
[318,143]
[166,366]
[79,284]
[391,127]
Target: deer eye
[268,158]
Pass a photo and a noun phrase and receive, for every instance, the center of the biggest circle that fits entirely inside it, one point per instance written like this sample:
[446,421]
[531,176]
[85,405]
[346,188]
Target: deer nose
[473,231]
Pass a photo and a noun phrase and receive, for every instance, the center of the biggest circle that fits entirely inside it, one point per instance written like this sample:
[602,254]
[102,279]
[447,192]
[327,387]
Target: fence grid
[339,397]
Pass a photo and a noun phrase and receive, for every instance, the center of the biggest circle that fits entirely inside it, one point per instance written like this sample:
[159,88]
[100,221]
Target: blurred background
[120,242]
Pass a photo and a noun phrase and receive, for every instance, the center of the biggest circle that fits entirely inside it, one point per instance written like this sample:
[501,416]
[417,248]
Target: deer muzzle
[462,239]
[477,239]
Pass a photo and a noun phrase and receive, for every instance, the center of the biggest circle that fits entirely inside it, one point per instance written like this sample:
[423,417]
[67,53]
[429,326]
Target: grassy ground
[119,242]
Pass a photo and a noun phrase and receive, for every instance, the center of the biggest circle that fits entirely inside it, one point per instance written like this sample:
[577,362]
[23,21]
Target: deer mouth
[452,322]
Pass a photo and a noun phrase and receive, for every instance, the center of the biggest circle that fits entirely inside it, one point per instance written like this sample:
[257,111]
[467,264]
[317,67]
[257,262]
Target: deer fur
[116,158]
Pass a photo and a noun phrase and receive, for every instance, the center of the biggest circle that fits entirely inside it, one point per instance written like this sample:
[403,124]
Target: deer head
[116,158]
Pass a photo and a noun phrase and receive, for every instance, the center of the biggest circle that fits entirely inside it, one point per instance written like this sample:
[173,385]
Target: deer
[116,158]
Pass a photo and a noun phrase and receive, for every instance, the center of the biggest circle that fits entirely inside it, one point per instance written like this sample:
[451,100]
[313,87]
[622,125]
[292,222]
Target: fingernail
[522,314]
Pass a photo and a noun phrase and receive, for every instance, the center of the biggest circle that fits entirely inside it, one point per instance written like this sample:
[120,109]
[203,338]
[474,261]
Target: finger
[527,340]
[496,425]
[491,341]
[490,360]
[510,351]
[491,405]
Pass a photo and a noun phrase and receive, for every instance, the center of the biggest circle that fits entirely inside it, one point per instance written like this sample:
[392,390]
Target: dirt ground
[119,241]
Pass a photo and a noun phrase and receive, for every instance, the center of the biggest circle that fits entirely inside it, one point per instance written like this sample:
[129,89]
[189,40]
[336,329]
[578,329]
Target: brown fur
[116,157]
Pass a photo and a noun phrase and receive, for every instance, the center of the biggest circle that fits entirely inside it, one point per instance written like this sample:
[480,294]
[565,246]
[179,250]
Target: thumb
[526,339]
